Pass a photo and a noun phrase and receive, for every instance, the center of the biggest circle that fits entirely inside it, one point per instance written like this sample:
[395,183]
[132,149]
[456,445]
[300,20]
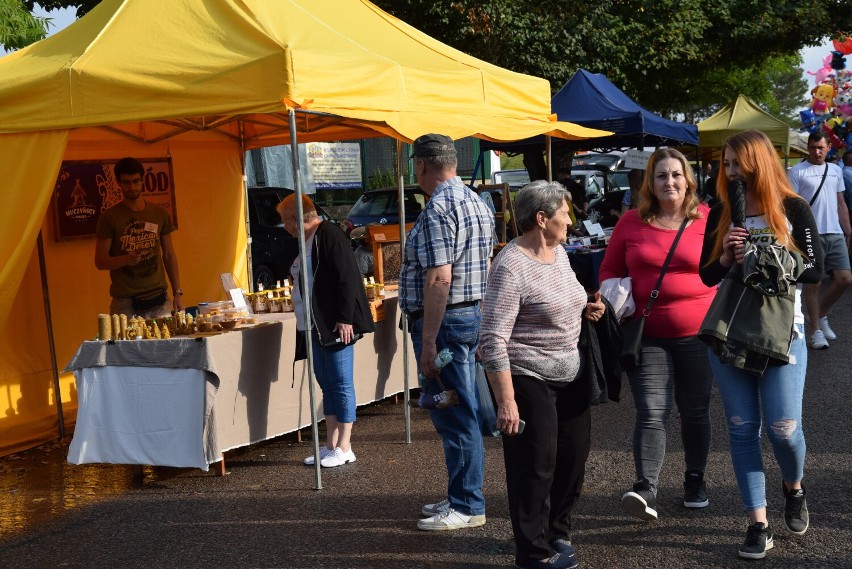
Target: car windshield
[376,203]
[515,178]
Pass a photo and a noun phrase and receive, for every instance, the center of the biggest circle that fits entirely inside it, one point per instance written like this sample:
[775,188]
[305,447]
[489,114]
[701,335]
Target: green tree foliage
[18,27]
[671,56]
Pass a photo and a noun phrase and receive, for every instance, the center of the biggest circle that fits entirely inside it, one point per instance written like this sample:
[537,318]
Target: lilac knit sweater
[531,316]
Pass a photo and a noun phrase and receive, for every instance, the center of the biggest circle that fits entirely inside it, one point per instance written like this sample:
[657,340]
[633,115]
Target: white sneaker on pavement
[451,520]
[324,452]
[430,510]
[337,458]
[826,329]
[818,341]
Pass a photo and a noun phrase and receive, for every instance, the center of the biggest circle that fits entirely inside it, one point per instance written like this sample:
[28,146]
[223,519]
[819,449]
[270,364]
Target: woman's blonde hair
[649,205]
[766,181]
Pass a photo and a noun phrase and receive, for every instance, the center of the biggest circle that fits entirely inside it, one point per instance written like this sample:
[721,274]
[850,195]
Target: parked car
[606,161]
[516,179]
[272,248]
[382,207]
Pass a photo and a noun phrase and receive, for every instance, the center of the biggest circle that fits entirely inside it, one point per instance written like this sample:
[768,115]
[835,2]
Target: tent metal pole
[246,206]
[406,395]
[307,294]
[52,344]
[548,149]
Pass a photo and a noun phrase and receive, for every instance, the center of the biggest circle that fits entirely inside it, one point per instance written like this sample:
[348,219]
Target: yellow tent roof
[160,67]
[742,114]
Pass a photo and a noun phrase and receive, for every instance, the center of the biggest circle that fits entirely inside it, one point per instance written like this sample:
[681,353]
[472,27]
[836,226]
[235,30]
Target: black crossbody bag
[631,352]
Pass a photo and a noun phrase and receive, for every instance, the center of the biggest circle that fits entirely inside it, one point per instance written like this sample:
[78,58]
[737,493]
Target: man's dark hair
[127,167]
[816,136]
[847,158]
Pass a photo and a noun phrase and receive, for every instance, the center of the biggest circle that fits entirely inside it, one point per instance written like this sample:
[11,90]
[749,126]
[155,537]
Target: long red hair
[767,182]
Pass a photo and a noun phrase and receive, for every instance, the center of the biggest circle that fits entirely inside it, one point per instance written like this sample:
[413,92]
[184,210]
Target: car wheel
[265,276]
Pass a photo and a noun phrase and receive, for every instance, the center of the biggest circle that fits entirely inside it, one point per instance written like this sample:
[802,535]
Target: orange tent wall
[210,240]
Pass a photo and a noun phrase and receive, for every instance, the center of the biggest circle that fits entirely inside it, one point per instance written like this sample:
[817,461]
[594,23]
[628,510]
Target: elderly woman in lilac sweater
[531,318]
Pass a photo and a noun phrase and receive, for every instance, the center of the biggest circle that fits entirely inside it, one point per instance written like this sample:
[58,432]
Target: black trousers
[546,464]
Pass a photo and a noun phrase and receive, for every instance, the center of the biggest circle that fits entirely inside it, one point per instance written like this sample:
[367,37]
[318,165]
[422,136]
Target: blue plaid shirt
[456,228]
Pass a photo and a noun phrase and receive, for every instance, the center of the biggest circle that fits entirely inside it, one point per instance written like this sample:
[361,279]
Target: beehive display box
[377,309]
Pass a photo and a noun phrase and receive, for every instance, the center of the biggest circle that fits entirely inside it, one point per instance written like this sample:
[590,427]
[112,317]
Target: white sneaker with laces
[818,341]
[826,329]
[430,510]
[451,520]
[337,457]
[324,452]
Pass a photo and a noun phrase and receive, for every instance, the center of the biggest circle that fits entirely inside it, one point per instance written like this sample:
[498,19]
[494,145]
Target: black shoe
[796,517]
[757,542]
[694,490]
[564,547]
[558,561]
[641,502]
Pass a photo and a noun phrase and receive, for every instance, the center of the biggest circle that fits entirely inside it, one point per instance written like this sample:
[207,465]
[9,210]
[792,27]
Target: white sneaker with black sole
[818,341]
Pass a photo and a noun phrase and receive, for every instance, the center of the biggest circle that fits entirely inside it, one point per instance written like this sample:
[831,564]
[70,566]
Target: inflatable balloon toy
[843,101]
[843,44]
[809,120]
[823,98]
[820,74]
[834,141]
[838,62]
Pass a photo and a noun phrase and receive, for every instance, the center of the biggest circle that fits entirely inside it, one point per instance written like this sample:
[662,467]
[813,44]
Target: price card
[238,298]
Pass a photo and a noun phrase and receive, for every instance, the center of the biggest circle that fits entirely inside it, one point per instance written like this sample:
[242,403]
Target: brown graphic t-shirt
[138,231]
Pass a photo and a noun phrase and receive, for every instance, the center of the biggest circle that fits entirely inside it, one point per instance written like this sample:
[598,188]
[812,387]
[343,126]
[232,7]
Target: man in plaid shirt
[443,278]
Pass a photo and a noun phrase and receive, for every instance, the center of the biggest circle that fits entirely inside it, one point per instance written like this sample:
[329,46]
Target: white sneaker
[450,520]
[826,329]
[430,510]
[324,452]
[818,341]
[337,458]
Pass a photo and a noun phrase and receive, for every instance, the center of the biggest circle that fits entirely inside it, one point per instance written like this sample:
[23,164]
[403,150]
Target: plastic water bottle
[446,398]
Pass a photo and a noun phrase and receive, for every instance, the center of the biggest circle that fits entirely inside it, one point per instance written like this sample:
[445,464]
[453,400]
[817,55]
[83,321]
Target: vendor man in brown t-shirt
[134,243]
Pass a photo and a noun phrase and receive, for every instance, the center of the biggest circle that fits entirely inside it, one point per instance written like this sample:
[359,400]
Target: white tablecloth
[186,401]
[140,415]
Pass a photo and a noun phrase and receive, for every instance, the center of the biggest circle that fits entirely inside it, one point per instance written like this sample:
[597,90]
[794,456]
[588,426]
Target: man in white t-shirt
[821,184]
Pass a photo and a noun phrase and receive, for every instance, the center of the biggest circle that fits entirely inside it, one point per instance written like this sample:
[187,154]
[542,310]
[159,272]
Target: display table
[185,401]
[587,265]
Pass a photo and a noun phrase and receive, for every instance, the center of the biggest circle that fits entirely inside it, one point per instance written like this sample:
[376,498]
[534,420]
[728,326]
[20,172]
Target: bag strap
[821,182]
[656,292]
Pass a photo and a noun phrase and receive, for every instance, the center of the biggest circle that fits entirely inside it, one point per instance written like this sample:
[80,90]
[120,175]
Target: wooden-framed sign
[85,188]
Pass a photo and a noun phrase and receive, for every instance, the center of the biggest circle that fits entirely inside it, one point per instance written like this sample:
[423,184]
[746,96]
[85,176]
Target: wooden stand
[506,205]
[378,236]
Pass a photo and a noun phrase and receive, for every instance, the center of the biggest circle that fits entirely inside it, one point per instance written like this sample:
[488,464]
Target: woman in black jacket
[760,211]
[340,314]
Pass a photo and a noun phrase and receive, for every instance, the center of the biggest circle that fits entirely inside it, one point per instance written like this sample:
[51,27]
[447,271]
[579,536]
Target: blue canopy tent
[591,100]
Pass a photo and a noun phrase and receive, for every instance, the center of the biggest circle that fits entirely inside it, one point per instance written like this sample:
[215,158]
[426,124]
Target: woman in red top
[674,361]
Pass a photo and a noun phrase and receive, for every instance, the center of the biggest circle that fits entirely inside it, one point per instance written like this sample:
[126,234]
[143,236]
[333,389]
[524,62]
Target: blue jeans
[780,390]
[333,370]
[672,370]
[458,426]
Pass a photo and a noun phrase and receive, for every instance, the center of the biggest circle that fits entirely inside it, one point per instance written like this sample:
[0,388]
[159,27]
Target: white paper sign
[238,298]
[594,229]
[636,159]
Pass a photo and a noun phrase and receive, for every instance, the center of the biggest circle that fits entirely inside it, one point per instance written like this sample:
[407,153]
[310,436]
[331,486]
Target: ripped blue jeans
[779,390]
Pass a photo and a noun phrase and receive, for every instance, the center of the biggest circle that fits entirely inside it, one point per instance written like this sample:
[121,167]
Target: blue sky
[812,56]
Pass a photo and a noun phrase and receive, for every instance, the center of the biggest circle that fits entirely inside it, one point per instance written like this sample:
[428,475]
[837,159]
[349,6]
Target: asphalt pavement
[266,512]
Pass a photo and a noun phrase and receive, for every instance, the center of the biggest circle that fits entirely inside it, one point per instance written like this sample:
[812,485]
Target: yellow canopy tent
[201,82]
[743,114]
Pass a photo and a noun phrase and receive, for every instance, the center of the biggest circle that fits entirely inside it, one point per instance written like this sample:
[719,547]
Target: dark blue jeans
[458,426]
[672,370]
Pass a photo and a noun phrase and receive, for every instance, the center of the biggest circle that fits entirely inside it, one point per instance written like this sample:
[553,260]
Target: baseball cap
[433,145]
